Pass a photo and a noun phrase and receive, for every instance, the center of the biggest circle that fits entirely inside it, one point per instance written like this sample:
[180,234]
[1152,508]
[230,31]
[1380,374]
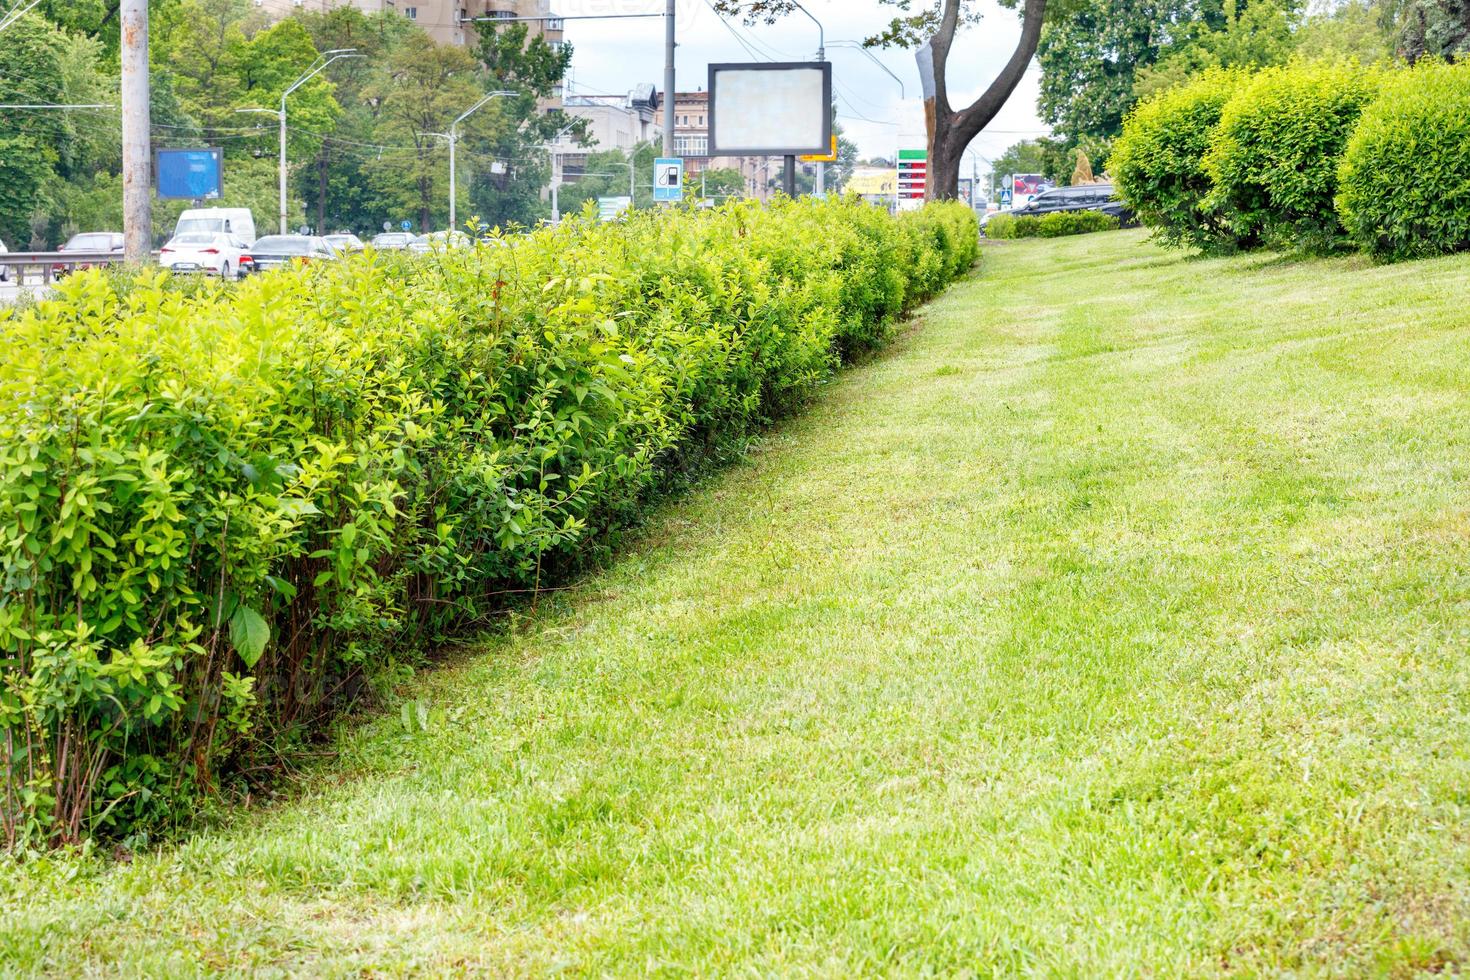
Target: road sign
[823,157]
[913,175]
[406,225]
[668,179]
[611,208]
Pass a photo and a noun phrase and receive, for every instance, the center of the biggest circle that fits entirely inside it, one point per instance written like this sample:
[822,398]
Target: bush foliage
[221,508]
[1405,175]
[1158,163]
[1054,225]
[1306,157]
[1274,155]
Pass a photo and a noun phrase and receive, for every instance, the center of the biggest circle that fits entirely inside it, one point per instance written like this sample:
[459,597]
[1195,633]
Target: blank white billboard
[776,109]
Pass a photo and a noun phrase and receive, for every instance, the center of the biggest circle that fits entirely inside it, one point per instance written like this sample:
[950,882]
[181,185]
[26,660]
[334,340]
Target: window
[692,145]
[412,13]
[701,120]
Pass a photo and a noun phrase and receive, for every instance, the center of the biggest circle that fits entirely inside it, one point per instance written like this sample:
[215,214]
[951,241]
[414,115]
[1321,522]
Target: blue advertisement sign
[192,175]
[668,179]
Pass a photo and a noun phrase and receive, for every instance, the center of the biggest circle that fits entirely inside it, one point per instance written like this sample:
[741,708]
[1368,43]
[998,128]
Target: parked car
[215,252]
[4,269]
[438,241]
[276,251]
[88,241]
[1083,197]
[345,243]
[392,240]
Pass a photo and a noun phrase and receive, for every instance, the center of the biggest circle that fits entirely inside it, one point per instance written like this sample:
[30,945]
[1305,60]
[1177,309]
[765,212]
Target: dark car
[1083,197]
[275,251]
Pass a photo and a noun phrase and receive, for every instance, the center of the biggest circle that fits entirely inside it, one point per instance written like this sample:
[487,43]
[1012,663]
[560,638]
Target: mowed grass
[1115,622]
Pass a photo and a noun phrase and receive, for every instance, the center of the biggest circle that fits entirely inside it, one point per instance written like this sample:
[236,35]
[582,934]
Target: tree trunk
[950,131]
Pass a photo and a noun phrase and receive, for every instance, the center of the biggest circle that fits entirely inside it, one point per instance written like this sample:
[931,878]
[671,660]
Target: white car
[439,241]
[204,251]
[4,269]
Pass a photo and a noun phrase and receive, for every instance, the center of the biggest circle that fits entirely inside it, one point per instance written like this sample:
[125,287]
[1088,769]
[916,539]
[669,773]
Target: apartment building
[446,21]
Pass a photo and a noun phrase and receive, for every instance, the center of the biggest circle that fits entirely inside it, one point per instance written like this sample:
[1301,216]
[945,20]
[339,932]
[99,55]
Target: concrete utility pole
[136,126]
[669,47]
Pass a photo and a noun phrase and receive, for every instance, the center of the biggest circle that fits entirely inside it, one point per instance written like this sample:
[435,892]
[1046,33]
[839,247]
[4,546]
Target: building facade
[446,21]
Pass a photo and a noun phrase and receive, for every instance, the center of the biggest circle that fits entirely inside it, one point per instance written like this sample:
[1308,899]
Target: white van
[236,222]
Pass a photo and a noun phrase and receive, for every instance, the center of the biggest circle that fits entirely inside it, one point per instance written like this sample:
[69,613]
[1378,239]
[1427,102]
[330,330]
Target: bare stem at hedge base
[226,507]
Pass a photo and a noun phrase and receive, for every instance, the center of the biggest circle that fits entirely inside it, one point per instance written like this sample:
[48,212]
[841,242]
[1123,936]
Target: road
[9,292]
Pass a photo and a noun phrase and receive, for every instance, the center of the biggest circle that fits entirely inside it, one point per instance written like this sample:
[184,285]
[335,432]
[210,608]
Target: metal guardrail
[23,266]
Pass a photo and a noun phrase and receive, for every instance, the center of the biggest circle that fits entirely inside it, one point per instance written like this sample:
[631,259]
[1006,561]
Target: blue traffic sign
[407,225]
[668,179]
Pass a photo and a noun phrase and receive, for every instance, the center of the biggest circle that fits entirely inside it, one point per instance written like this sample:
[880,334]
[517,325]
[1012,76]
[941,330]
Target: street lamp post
[336,54]
[453,143]
[821,183]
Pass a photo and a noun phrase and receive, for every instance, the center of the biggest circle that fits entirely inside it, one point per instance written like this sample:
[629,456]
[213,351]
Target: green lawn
[1114,622]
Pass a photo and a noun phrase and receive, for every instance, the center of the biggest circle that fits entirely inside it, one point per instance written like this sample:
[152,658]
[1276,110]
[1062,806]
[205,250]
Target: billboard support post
[788,179]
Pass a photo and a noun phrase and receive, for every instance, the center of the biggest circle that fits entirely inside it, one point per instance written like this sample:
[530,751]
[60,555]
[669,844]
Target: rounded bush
[1404,180]
[1158,163]
[1063,223]
[1001,226]
[1274,156]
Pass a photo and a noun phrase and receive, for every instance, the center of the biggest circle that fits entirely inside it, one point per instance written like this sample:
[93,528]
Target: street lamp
[821,182]
[336,54]
[453,136]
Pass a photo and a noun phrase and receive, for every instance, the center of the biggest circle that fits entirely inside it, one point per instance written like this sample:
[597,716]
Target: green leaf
[249,633]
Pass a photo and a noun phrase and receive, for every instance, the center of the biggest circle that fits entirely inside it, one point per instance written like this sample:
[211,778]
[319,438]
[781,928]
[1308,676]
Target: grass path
[1115,622]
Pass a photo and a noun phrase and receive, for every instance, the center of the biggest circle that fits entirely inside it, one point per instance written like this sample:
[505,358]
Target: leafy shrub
[1274,155]
[1158,163]
[1061,223]
[1054,225]
[221,507]
[1405,175]
[1001,226]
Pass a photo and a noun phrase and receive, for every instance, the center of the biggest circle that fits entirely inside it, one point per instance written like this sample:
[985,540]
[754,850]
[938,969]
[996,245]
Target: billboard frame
[219,162]
[825,67]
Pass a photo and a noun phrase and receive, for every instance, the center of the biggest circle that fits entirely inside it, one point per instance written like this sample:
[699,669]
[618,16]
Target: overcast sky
[612,56]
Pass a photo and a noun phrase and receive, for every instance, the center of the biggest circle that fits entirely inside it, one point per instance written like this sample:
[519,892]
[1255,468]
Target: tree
[1430,28]
[1254,37]
[425,87]
[932,32]
[1353,31]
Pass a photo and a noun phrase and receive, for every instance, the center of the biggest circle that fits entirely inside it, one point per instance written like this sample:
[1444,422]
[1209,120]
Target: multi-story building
[613,123]
[446,21]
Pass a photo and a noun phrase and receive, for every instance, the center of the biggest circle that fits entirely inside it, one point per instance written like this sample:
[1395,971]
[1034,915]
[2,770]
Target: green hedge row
[1314,156]
[1054,225]
[222,508]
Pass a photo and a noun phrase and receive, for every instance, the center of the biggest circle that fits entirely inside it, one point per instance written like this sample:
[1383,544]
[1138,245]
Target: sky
[612,56]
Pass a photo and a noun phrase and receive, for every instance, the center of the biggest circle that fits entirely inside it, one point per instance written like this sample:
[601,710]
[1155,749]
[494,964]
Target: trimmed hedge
[1158,163]
[1274,156]
[1054,225]
[1405,175]
[222,508]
